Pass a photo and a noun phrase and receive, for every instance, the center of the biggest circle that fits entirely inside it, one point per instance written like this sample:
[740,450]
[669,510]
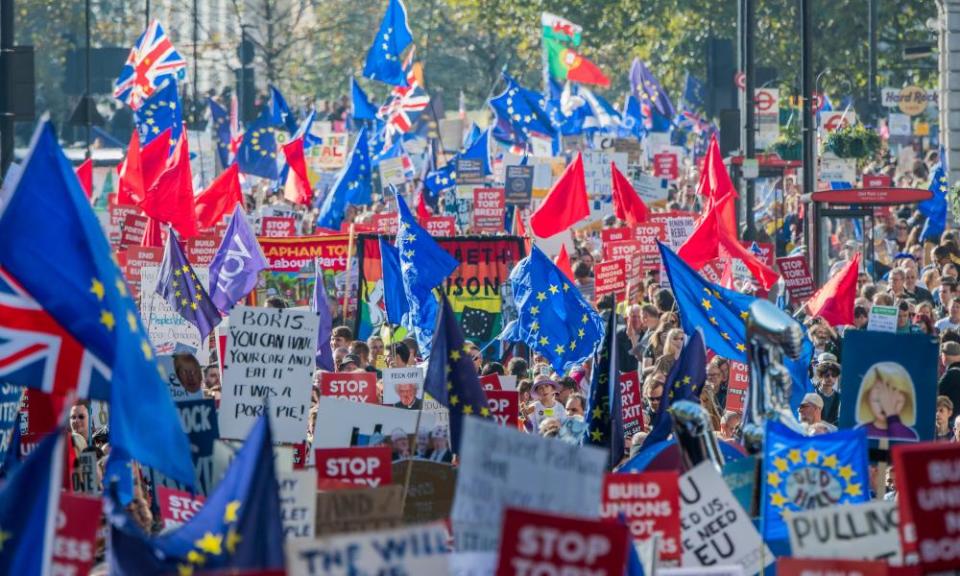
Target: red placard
[278,226]
[650,503]
[489,206]
[134,260]
[118,215]
[877,181]
[625,250]
[615,234]
[177,507]
[74,543]
[356,386]
[535,543]
[787,566]
[359,465]
[796,275]
[737,386]
[441,226]
[647,234]
[928,480]
[491,382]
[386,223]
[632,400]
[202,249]
[132,231]
[504,406]
[610,277]
[666,165]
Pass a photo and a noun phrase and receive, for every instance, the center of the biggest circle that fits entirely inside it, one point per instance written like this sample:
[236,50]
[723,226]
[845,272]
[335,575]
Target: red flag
[563,262]
[142,166]
[220,197]
[170,199]
[628,205]
[726,279]
[715,181]
[85,174]
[297,188]
[422,211]
[152,234]
[565,204]
[835,300]
[582,70]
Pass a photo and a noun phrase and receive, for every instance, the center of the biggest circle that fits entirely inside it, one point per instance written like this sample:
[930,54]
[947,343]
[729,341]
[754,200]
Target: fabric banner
[291,268]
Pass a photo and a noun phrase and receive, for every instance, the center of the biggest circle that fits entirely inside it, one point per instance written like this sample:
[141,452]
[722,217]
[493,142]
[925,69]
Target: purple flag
[238,261]
[322,308]
[180,287]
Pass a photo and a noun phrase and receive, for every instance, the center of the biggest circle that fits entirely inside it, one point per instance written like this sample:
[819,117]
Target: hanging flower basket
[853,142]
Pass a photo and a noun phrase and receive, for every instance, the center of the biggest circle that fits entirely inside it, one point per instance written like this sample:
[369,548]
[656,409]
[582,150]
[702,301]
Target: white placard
[882,318]
[651,189]
[271,354]
[498,468]
[701,571]
[165,326]
[597,172]
[343,423]
[393,377]
[679,228]
[833,169]
[866,531]
[411,550]
[473,564]
[298,503]
[714,528]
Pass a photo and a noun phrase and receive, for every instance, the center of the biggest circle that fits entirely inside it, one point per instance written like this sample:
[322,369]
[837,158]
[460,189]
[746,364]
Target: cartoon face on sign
[886,404]
[810,479]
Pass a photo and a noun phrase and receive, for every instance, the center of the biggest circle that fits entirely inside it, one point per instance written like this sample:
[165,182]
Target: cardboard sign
[430,489]
[386,224]
[408,550]
[650,504]
[278,227]
[270,354]
[796,275]
[177,507]
[737,386]
[496,465]
[403,387]
[632,402]
[359,466]
[928,479]
[202,249]
[882,318]
[537,543]
[610,277]
[666,165]
[866,531]
[359,510]
[518,185]
[597,173]
[489,206]
[298,503]
[504,406]
[355,386]
[166,327]
[714,527]
[787,566]
[74,541]
[650,189]
[441,226]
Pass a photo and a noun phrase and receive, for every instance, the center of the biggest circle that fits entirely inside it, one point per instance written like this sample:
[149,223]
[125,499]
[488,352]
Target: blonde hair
[897,377]
[668,346]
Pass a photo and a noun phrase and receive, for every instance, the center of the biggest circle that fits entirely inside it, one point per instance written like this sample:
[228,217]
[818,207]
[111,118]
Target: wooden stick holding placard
[346,283]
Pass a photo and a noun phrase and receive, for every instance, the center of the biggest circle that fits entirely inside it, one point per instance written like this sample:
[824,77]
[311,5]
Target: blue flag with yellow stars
[553,317]
[257,154]
[935,209]
[520,113]
[803,473]
[239,527]
[604,414]
[720,312]
[160,111]
[29,502]
[684,382]
[221,131]
[451,378]
[383,59]
[394,298]
[353,185]
[58,276]
[180,287]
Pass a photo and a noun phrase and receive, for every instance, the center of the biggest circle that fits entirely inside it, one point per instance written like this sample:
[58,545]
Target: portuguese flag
[560,37]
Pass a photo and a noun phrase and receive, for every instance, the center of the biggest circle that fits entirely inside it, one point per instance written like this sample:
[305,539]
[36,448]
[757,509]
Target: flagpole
[345,309]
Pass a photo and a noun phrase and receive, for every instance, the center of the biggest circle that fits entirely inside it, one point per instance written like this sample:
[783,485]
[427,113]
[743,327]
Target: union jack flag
[35,351]
[151,61]
[404,105]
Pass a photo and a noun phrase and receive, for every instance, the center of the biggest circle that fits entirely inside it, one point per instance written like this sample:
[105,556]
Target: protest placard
[355,386]
[651,189]
[597,173]
[386,224]
[489,207]
[666,165]
[133,260]
[632,403]
[177,507]
[86,478]
[796,275]
[616,234]
[429,490]
[866,531]
[358,465]
[740,476]
[610,277]
[166,326]
[539,543]
[329,153]
[649,502]
[342,511]
[132,229]
[392,173]
[298,503]
[441,226]
[737,385]
[518,185]
[270,355]
[409,550]
[9,407]
[496,465]
[74,543]
[648,234]
[347,423]
[882,318]
[117,216]
[198,418]
[504,406]
[278,227]
[403,387]
[714,527]
[629,251]
[787,566]
[704,571]
[202,249]
[491,382]
[928,482]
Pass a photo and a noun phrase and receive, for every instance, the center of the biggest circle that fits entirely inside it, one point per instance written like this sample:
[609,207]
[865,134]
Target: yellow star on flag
[581,333]
[713,321]
[573,345]
[774,479]
[210,543]
[147,351]
[454,400]
[812,456]
[4,536]
[230,511]
[585,319]
[467,409]
[778,500]
[830,461]
[794,456]
[846,472]
[96,288]
[544,340]
[121,287]
[554,289]
[195,557]
[853,490]
[232,540]
[706,304]
[559,349]
[184,570]
[780,464]
[106,318]
[132,321]
[744,314]
[485,412]
[596,435]
[724,335]
[455,355]
[741,347]
[534,310]
[541,296]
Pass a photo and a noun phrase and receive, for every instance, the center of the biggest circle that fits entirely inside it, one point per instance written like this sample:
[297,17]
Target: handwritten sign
[177,507]
[597,173]
[166,326]
[796,275]
[298,503]
[360,465]
[650,503]
[74,543]
[866,531]
[278,227]
[355,386]
[343,511]
[496,465]
[270,354]
[882,318]
[489,205]
[632,401]
[504,406]
[610,277]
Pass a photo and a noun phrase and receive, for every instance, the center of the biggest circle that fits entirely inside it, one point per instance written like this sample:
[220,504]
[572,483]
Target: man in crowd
[944,413]
[828,375]
[811,410]
[949,384]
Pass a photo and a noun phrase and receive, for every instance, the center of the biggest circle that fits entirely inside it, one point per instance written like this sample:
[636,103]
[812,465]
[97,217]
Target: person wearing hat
[400,443]
[349,363]
[949,384]
[828,375]
[546,405]
[440,448]
[811,410]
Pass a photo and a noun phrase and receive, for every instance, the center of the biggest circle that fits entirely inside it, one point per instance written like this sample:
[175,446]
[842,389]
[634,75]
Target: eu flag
[806,472]
[257,154]
[239,527]
[442,178]
[77,327]
[423,265]
[604,415]
[554,319]
[321,307]
[480,149]
[451,378]
[693,92]
[29,502]
[632,124]
[935,209]
[520,113]
[383,59]
[361,108]
[160,111]
[221,131]
[280,111]
[180,287]
[720,312]
[394,298]
[648,90]
[353,185]
[684,382]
